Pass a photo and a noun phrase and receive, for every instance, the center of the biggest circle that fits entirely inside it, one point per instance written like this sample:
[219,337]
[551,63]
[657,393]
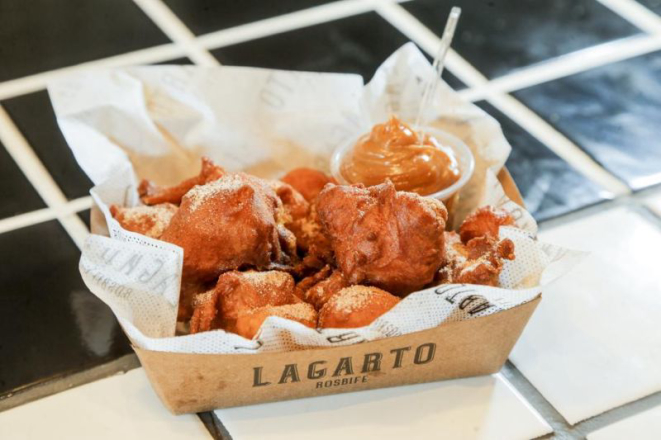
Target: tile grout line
[286,22]
[39,81]
[503,374]
[295,20]
[176,30]
[43,215]
[558,143]
[636,14]
[467,73]
[39,177]
[526,118]
[566,65]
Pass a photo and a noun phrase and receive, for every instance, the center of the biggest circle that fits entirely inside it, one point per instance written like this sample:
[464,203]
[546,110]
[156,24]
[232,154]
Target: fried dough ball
[319,294]
[146,220]
[237,293]
[205,312]
[248,323]
[230,223]
[355,306]
[479,261]
[382,237]
[295,212]
[307,181]
[311,280]
[485,221]
[153,195]
[191,289]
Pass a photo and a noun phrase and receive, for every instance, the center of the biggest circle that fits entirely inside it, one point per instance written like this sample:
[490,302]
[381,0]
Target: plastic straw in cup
[439,63]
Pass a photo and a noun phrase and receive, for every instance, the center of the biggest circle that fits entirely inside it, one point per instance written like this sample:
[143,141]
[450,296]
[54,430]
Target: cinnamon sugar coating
[227,224]
[248,323]
[236,293]
[355,306]
[146,220]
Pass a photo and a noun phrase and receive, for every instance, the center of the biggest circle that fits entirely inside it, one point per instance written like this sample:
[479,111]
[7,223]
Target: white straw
[439,63]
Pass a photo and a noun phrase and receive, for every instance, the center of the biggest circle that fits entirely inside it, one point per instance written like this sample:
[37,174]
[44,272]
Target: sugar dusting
[352,298]
[265,280]
[227,184]
[296,312]
[151,220]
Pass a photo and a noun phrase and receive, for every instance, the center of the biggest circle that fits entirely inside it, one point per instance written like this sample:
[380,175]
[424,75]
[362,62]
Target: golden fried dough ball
[240,292]
[300,217]
[249,322]
[479,261]
[309,281]
[319,294]
[237,293]
[485,221]
[383,237]
[227,224]
[355,306]
[146,220]
[152,194]
[307,181]
[205,312]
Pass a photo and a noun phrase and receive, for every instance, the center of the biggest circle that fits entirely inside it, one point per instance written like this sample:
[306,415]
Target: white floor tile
[120,407]
[643,426]
[477,408]
[654,202]
[594,342]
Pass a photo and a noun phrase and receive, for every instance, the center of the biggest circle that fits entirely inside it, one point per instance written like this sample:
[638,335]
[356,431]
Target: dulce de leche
[394,151]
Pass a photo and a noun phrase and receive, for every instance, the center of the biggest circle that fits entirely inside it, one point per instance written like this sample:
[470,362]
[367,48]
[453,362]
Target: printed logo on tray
[346,371]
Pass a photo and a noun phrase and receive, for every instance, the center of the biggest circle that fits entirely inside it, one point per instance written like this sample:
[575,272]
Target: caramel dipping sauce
[394,151]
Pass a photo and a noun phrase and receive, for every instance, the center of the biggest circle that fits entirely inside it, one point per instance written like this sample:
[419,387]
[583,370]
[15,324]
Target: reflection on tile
[17,195]
[549,185]
[612,112]
[42,35]
[475,408]
[352,45]
[117,407]
[654,5]
[593,342]
[502,35]
[51,324]
[642,426]
[33,115]
[203,16]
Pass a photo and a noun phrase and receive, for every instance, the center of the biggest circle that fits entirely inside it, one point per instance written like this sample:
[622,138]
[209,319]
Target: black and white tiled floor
[576,86]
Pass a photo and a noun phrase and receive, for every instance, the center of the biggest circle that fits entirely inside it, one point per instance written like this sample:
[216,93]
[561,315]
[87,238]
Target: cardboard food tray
[200,382]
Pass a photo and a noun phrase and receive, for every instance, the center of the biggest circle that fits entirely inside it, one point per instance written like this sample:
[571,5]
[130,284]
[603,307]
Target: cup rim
[458,146]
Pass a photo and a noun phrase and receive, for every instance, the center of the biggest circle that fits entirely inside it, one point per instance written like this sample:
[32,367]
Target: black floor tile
[204,16]
[17,195]
[41,35]
[178,61]
[612,112]
[50,325]
[497,36]
[85,216]
[356,44]
[549,185]
[33,114]
[654,5]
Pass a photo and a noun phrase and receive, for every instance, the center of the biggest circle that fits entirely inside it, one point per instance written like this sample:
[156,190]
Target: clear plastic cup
[448,195]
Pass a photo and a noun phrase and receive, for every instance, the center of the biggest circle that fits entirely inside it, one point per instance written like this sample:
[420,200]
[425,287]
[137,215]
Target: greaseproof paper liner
[156,122]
